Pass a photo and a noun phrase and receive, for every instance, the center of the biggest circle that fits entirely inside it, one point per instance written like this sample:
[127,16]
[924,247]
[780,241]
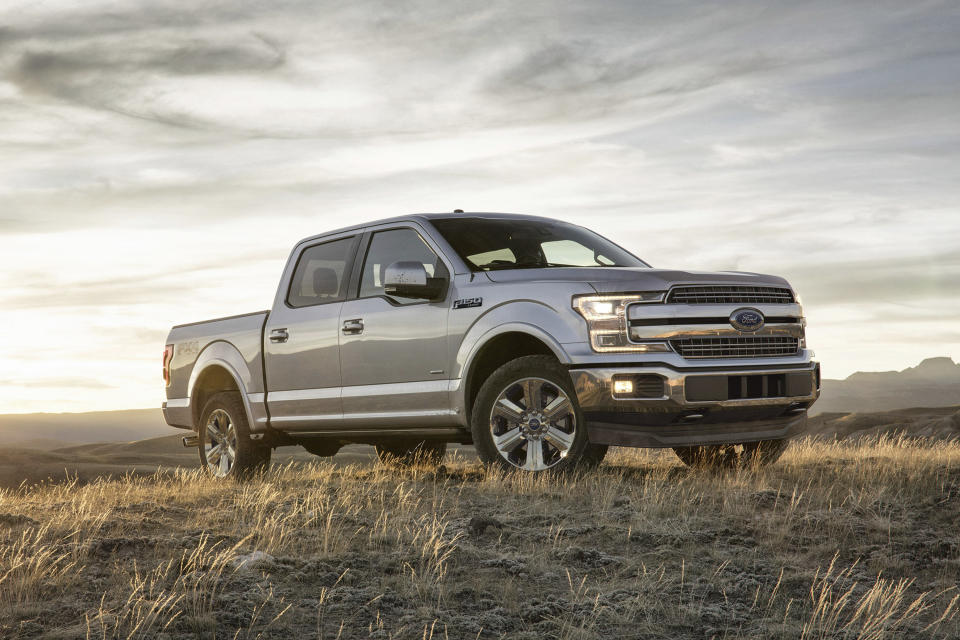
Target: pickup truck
[540,342]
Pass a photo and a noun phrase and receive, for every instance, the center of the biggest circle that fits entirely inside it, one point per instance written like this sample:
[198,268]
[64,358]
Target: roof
[425,217]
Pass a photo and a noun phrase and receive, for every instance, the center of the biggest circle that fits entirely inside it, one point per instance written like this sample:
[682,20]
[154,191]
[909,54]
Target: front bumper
[696,408]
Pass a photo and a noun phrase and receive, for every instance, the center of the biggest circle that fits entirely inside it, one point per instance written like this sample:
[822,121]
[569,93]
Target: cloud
[111,78]
[159,158]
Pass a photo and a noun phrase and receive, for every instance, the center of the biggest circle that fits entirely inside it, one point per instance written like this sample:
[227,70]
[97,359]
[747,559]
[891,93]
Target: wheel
[732,456]
[526,417]
[226,450]
[409,453]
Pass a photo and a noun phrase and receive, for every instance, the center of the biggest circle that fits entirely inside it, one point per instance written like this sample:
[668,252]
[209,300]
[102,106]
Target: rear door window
[321,272]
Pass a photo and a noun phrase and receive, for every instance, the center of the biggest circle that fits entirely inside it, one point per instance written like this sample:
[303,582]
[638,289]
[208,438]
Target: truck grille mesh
[765,347]
[731,295]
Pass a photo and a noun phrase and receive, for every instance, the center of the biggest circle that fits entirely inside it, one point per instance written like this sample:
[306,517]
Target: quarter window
[319,276]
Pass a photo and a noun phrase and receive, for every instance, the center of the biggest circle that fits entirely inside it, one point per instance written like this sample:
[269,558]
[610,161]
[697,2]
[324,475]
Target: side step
[191,441]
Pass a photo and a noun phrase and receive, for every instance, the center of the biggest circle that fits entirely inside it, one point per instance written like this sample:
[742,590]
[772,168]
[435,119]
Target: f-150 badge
[466,303]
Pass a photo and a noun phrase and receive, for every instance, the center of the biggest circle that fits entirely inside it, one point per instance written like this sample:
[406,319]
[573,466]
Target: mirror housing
[409,279]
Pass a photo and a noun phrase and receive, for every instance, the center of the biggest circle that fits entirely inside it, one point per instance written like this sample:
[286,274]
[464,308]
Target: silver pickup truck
[540,342]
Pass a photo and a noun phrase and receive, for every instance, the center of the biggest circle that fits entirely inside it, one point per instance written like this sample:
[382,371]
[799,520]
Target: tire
[732,456]
[512,414]
[411,453]
[223,419]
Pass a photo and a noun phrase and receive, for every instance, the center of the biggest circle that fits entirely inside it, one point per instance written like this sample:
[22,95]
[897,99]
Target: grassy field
[840,540]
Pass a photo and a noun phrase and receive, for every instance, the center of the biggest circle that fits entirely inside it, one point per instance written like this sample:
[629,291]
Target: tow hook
[795,409]
[191,441]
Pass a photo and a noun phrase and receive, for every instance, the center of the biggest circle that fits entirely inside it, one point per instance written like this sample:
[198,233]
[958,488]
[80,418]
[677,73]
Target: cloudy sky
[158,159]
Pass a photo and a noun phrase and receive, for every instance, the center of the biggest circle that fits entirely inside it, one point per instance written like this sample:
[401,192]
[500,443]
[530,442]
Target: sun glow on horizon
[156,173]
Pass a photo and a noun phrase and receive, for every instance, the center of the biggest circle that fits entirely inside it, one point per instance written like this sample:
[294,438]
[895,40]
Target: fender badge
[466,303]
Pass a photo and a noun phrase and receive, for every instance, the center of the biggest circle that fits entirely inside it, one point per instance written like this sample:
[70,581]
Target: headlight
[606,318]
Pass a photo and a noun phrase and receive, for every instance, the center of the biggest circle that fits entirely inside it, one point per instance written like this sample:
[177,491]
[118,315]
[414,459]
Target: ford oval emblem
[746,320]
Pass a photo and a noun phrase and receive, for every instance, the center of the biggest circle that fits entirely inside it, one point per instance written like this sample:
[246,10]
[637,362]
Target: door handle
[279,335]
[353,326]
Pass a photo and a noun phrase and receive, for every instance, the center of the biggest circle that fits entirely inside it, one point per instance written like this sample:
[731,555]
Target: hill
[935,382]
[937,423]
[37,429]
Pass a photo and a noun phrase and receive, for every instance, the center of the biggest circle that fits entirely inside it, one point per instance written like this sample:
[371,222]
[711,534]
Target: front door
[302,351]
[393,351]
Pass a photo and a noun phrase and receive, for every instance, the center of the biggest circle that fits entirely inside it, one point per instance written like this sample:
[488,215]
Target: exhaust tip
[191,441]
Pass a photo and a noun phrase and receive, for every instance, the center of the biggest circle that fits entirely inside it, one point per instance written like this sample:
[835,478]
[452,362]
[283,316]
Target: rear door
[302,350]
[393,350]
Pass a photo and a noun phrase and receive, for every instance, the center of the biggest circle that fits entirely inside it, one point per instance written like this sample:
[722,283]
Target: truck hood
[616,279]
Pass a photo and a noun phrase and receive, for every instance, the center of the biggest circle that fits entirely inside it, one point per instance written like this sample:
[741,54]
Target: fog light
[624,387]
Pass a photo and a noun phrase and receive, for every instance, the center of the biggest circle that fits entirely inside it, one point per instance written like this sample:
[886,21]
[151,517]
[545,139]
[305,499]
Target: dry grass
[841,540]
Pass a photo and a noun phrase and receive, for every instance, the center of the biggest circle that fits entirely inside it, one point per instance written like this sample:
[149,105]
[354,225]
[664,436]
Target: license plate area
[748,387]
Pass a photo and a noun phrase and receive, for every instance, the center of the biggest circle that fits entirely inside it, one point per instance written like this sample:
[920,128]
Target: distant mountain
[41,430]
[935,382]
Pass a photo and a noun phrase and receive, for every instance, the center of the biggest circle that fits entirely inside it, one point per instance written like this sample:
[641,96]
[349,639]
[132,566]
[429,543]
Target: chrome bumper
[678,418]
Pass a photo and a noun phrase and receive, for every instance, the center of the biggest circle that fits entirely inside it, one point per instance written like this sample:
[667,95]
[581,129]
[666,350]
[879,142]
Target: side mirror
[410,280]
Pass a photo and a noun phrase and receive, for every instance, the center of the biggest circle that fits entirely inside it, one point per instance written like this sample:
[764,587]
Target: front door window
[395,245]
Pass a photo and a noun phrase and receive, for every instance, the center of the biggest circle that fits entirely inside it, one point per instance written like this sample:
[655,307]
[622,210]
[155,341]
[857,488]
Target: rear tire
[732,456]
[411,453]
[526,418]
[225,447]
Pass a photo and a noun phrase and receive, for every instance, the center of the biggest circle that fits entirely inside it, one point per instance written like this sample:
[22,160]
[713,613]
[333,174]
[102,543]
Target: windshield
[489,244]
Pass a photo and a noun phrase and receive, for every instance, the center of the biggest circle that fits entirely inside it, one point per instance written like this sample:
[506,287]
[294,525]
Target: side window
[319,276]
[394,245]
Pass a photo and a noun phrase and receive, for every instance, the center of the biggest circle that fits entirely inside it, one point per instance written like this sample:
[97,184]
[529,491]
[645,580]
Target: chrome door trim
[396,388]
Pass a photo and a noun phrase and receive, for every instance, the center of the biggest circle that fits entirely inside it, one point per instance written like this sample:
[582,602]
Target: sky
[159,159]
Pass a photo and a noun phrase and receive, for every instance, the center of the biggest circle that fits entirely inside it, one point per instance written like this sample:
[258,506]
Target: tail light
[167,357]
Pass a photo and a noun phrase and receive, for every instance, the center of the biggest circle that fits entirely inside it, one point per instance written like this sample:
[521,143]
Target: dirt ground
[839,540]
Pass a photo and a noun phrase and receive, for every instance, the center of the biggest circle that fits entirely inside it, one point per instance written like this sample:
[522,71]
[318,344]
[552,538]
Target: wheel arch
[499,346]
[219,367]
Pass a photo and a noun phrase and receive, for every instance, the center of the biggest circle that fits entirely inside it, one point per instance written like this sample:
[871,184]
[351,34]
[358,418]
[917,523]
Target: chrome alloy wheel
[533,424]
[220,445]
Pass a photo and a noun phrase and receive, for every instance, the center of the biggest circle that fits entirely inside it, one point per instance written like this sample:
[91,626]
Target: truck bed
[235,342]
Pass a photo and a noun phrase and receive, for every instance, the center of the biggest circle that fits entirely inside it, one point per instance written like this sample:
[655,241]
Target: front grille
[765,347]
[730,295]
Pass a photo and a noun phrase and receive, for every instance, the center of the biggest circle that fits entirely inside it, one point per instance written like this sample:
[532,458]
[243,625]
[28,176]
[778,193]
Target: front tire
[732,456]
[225,447]
[526,417]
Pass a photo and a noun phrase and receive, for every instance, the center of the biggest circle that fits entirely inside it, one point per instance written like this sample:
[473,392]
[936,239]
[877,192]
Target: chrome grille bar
[758,347]
[730,295]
